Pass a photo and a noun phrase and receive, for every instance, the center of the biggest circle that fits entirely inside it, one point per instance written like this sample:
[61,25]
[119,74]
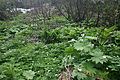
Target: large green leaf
[79,46]
[29,74]
[98,56]
[79,75]
[83,45]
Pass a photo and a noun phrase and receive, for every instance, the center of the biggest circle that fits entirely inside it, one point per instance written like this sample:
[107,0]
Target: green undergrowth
[29,52]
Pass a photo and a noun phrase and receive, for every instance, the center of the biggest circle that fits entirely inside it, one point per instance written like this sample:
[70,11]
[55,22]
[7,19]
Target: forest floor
[58,49]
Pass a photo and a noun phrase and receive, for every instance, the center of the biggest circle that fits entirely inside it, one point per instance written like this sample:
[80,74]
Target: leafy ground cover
[32,52]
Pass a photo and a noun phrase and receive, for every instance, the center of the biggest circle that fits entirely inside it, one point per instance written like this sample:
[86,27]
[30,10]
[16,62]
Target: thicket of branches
[102,12]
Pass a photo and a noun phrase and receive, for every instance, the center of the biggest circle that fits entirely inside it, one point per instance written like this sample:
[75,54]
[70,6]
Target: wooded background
[101,12]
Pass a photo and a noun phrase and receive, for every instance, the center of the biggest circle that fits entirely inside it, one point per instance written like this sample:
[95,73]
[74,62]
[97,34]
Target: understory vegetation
[68,52]
[59,39]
